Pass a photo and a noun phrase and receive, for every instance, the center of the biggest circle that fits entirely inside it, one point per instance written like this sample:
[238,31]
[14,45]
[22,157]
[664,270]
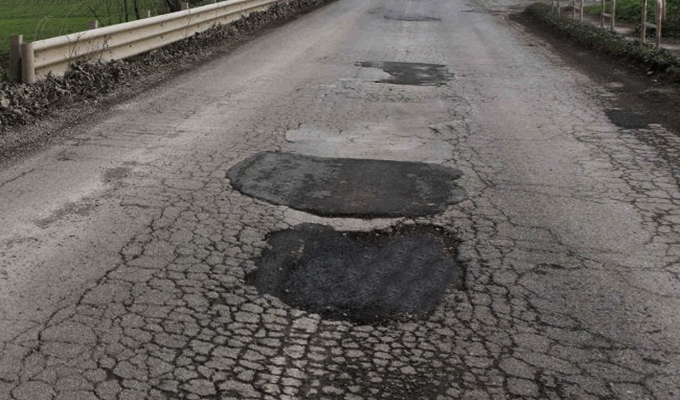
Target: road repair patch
[365,277]
[347,186]
[416,74]
[628,120]
[401,16]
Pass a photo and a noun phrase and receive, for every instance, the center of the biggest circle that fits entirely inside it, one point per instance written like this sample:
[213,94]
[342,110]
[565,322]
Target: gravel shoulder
[637,89]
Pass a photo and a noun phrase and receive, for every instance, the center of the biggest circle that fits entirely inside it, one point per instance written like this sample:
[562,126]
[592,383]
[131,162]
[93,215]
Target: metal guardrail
[577,7]
[556,6]
[37,59]
[611,15]
[660,16]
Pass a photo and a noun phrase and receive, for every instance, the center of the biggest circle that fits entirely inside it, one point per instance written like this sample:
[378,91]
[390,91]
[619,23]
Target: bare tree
[173,5]
[136,5]
[176,5]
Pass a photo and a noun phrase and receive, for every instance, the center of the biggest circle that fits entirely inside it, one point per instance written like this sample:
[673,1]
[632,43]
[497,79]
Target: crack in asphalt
[543,315]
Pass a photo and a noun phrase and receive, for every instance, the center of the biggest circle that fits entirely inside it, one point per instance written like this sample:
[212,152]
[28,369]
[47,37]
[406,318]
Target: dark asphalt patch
[348,187]
[416,74]
[628,120]
[391,15]
[365,277]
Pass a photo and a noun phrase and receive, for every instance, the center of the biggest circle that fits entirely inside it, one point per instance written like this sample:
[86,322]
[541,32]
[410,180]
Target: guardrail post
[659,20]
[93,25]
[27,63]
[145,14]
[184,6]
[643,31]
[15,58]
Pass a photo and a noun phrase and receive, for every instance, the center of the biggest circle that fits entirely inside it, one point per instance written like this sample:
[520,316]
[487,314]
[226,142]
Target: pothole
[397,16]
[341,187]
[417,74]
[628,120]
[365,277]
[116,174]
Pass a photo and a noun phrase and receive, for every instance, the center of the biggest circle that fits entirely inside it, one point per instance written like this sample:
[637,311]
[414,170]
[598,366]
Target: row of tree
[176,5]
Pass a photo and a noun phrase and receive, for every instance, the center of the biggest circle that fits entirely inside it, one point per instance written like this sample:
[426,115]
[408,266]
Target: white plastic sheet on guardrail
[127,39]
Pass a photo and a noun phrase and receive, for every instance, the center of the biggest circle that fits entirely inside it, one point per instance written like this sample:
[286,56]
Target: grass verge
[42,19]
[631,11]
[593,37]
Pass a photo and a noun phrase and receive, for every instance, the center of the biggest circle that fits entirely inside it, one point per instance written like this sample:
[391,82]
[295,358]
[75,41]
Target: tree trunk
[173,5]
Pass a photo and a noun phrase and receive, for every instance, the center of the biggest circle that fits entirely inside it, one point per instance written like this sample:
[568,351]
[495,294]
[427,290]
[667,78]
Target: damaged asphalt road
[365,277]
[348,187]
[129,263]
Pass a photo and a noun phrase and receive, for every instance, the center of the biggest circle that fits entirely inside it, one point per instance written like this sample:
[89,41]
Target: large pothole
[348,186]
[365,277]
[415,74]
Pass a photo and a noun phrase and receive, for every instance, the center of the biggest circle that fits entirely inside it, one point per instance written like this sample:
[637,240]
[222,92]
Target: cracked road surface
[124,250]
[338,187]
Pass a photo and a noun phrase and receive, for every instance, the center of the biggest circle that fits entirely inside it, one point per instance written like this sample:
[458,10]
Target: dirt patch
[341,187]
[365,277]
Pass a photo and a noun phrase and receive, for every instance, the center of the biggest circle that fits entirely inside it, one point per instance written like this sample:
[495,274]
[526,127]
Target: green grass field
[41,19]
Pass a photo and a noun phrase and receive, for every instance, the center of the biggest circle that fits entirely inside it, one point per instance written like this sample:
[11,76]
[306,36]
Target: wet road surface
[124,249]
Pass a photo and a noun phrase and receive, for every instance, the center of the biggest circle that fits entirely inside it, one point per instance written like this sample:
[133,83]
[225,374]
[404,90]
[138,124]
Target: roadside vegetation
[602,40]
[631,11]
[41,19]
[86,83]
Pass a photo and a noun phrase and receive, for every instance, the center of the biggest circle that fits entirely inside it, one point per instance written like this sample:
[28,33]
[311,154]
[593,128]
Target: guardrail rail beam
[124,40]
